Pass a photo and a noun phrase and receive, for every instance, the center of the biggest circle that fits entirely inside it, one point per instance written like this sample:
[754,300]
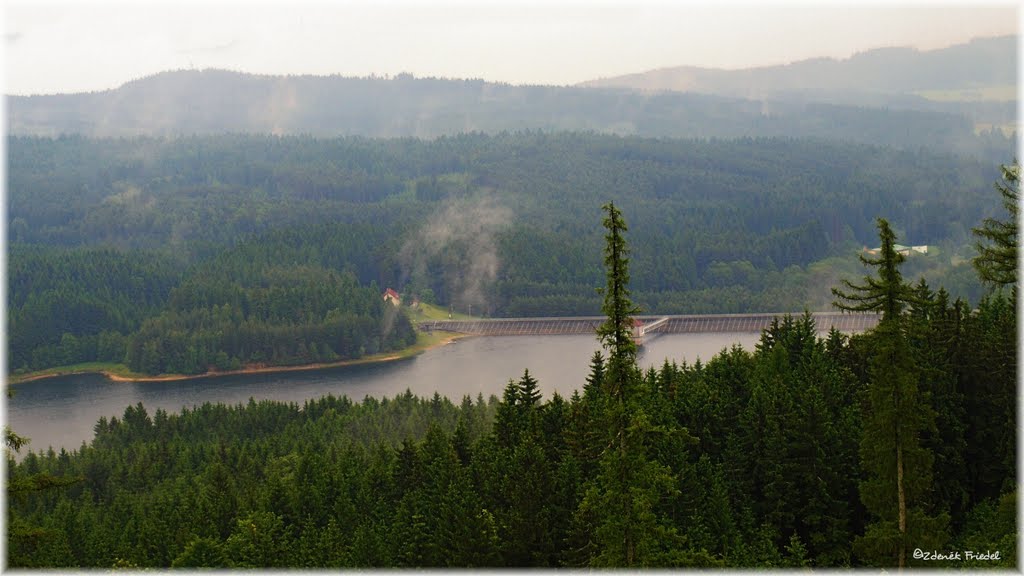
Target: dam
[650,324]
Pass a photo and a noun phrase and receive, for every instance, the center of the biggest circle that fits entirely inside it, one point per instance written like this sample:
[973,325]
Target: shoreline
[414,350]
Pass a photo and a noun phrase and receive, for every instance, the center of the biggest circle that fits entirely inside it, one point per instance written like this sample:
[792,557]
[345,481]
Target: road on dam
[659,324]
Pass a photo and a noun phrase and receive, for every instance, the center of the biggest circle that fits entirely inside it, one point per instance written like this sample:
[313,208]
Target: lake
[61,412]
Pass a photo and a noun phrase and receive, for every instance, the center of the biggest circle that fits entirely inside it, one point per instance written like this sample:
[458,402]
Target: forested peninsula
[195,254]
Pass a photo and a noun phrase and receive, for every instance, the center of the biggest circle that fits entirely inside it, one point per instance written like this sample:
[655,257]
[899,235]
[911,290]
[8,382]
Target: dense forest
[212,252]
[245,307]
[877,449]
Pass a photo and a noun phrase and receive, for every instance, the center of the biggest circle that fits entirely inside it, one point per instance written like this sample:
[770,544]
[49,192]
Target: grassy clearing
[430,312]
[426,341]
[112,368]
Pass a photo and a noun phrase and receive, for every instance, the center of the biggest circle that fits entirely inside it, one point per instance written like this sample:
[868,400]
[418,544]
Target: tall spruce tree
[898,468]
[622,500]
[616,333]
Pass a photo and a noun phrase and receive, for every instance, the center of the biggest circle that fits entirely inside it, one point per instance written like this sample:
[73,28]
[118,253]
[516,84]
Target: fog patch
[387,322]
[461,238]
[277,112]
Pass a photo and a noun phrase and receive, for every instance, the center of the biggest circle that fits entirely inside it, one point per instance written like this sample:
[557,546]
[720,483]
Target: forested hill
[965,69]
[977,79]
[218,101]
[158,247]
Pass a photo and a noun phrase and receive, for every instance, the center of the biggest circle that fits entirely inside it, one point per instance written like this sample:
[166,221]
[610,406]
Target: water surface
[61,412]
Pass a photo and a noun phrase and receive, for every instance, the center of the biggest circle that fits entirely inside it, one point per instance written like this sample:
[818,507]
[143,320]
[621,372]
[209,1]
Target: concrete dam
[650,324]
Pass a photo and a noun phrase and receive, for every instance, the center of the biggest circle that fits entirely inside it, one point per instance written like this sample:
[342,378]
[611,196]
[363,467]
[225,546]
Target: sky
[78,46]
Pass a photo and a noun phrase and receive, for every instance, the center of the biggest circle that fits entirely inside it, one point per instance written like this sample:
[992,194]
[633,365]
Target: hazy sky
[80,46]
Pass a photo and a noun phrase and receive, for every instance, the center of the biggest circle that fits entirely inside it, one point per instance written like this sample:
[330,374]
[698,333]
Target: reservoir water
[61,412]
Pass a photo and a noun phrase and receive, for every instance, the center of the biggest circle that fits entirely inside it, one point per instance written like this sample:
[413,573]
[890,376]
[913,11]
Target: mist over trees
[117,244]
[209,102]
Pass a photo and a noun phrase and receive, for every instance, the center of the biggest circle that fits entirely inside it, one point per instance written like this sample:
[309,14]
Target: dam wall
[675,324]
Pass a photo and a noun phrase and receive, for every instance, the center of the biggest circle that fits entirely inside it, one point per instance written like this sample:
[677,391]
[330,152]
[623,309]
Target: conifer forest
[351,285]
[894,447]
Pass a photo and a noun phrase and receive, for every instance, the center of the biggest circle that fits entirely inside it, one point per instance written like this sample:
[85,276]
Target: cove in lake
[61,412]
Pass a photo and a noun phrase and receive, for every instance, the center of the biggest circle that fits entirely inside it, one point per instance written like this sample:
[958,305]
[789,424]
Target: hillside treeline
[189,253]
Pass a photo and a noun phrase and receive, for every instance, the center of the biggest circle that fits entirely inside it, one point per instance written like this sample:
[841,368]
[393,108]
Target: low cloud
[463,235]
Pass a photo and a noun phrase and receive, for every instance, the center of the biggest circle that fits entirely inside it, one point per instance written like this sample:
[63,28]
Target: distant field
[1001,93]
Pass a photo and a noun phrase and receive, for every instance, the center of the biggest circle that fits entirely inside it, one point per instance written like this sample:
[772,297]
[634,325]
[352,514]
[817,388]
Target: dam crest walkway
[649,324]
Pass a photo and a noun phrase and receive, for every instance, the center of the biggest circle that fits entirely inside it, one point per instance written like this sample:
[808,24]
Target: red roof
[392,293]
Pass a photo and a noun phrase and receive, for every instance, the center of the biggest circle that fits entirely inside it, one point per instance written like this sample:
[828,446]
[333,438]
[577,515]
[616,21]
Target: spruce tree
[936,338]
[507,420]
[898,468]
[991,359]
[596,377]
[887,293]
[529,392]
[616,333]
[996,262]
[622,500]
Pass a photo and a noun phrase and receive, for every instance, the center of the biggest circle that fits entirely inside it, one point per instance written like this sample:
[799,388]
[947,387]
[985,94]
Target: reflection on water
[61,412]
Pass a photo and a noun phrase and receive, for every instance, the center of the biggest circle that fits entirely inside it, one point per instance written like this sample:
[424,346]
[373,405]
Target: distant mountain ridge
[203,102]
[981,63]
